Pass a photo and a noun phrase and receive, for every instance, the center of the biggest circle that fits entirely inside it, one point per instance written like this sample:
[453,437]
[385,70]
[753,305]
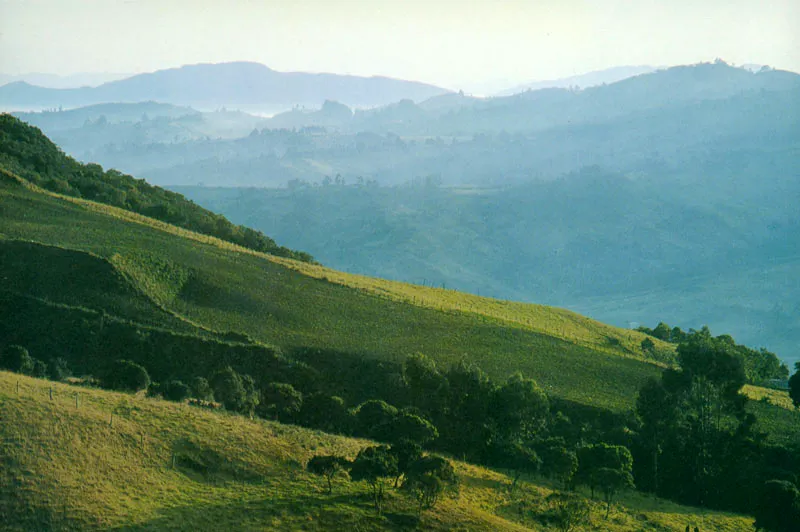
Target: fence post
[51,393]
[76,399]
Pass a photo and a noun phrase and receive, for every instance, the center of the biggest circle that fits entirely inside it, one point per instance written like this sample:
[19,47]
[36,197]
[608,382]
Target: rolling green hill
[351,326]
[296,306]
[107,464]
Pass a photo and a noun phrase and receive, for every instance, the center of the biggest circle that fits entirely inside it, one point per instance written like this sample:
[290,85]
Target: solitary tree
[39,369]
[374,465]
[593,458]
[648,346]
[559,463]
[515,457]
[610,482]
[327,466]
[426,386]
[567,511]
[428,477]
[407,453]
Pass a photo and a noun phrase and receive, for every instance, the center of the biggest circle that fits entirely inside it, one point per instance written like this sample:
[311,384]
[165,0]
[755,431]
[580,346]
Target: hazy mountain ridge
[216,85]
[582,81]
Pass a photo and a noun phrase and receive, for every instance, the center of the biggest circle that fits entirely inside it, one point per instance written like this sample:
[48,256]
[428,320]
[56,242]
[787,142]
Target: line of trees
[697,443]
[691,439]
[759,365]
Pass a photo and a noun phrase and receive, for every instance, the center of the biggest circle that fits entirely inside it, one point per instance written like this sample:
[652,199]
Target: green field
[107,464]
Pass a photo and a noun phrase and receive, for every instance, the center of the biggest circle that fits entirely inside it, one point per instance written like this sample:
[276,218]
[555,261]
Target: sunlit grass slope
[219,286]
[107,464]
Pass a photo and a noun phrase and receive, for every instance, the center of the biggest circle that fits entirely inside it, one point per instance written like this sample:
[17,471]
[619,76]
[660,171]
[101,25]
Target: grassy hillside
[107,464]
[354,328]
[219,286]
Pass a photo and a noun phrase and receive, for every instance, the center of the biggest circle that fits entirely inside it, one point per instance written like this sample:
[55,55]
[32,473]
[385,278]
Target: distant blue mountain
[215,85]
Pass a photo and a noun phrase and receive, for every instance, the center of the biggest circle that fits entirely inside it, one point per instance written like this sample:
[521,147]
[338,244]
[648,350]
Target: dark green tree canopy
[58,369]
[374,465]
[372,415]
[327,466]
[794,385]
[778,507]
[519,407]
[17,359]
[126,375]
[428,477]
[280,401]
[201,389]
[407,427]
[324,412]
[176,391]
[228,389]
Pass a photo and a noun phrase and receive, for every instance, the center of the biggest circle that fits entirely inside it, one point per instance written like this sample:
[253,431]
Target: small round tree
[406,452]
[176,391]
[324,412]
[427,478]
[126,375]
[327,466]
[201,389]
[559,463]
[567,511]
[280,401]
[612,481]
[229,389]
[373,414]
[374,465]
[407,427]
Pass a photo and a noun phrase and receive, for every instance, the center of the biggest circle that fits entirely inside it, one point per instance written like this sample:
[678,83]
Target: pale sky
[458,44]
